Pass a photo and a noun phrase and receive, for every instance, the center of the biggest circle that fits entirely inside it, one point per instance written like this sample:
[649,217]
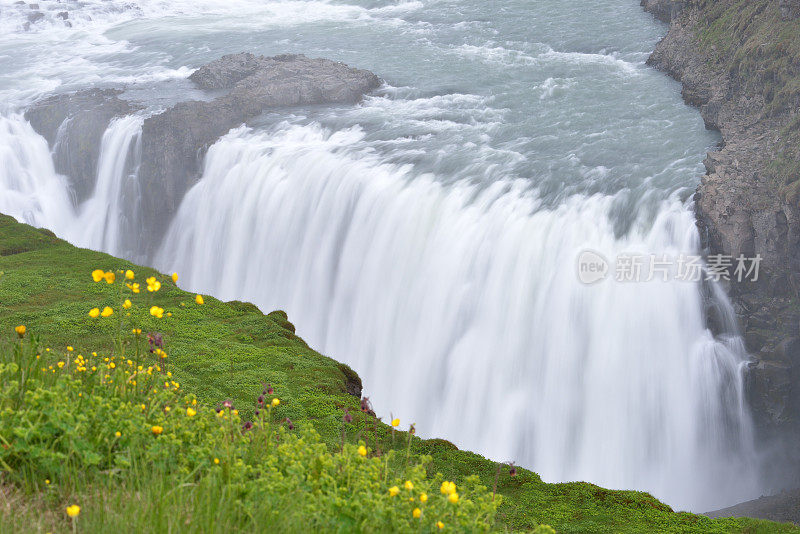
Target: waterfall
[32,191]
[107,220]
[460,307]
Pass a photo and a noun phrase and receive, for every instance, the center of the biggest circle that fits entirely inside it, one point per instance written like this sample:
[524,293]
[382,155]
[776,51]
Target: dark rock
[663,10]
[33,6]
[174,142]
[352,380]
[783,507]
[63,15]
[33,18]
[73,125]
[741,211]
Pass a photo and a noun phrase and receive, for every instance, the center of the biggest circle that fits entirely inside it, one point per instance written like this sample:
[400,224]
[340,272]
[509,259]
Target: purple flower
[289,424]
[247,426]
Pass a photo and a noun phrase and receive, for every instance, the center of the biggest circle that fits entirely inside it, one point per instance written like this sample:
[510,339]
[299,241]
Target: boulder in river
[174,142]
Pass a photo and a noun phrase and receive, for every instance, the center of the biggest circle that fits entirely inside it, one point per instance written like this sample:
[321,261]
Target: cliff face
[739,62]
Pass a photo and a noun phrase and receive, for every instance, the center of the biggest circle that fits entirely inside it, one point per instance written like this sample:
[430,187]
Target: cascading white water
[461,308]
[108,217]
[433,245]
[32,191]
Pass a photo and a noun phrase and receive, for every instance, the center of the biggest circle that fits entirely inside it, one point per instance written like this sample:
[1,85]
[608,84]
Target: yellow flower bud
[73,511]
[199,299]
[416,513]
[395,422]
[129,274]
[175,277]
[362,450]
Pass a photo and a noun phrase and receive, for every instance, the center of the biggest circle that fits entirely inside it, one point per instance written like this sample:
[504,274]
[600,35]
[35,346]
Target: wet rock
[33,18]
[73,125]
[174,142]
[663,10]
[33,6]
[741,211]
[63,15]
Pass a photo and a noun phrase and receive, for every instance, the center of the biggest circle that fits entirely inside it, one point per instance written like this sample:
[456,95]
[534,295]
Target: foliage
[220,351]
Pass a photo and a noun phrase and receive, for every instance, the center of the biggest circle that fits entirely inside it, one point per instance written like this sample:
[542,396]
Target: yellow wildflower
[47,481]
[423,497]
[416,513]
[453,498]
[157,430]
[110,277]
[153,285]
[191,412]
[175,277]
[118,434]
[448,487]
[199,299]
[98,274]
[395,422]
[216,460]
[20,330]
[129,274]
[73,511]
[70,349]
[409,485]
[127,304]
[137,331]
[60,365]
[439,525]
[276,402]
[362,450]
[133,287]
[157,312]
[393,491]
[107,312]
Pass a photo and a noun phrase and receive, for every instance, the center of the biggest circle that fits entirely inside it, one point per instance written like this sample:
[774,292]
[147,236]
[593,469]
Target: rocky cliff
[739,63]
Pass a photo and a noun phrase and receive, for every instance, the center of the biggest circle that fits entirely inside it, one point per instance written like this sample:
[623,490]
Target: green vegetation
[761,52]
[60,424]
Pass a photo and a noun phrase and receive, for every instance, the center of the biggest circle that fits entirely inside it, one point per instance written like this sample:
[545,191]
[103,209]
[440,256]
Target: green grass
[224,351]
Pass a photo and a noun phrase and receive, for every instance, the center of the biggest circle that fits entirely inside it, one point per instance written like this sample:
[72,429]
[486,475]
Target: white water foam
[460,308]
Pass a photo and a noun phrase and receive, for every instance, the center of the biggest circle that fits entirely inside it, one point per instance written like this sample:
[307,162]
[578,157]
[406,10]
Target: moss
[228,350]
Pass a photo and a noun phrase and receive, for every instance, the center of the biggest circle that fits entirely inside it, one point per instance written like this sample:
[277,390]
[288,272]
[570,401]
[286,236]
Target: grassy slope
[227,350]
[749,40]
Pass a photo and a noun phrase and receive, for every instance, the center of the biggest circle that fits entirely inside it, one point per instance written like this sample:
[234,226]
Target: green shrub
[86,427]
